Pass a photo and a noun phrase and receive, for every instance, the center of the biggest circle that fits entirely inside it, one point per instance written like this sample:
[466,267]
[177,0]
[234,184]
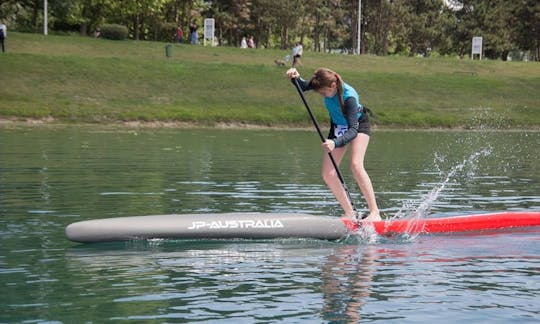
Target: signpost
[209,29]
[476,47]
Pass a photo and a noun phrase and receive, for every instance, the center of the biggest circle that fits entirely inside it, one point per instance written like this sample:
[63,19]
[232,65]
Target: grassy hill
[76,79]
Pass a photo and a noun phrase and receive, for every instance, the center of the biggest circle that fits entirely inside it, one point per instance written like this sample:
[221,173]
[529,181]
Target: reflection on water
[346,281]
[304,280]
[50,177]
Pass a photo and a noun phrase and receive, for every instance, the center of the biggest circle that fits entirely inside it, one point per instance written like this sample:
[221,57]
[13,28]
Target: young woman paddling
[350,127]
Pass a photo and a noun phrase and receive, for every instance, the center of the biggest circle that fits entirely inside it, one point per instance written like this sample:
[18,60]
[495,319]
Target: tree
[87,14]
[424,33]
[233,19]
[408,27]
[319,13]
[489,19]
[264,22]
[287,13]
[526,26]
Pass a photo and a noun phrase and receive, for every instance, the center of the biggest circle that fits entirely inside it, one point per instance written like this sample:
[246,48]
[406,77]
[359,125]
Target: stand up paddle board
[278,225]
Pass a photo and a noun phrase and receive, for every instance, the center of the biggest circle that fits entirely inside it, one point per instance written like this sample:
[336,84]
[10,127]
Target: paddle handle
[316,124]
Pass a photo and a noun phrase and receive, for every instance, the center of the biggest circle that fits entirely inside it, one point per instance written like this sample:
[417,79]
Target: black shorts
[364,126]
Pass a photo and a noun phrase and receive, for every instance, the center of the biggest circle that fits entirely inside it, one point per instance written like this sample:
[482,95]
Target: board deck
[279,225]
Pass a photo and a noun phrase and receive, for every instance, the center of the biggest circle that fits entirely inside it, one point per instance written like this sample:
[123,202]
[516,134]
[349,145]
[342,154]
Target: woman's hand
[292,73]
[328,145]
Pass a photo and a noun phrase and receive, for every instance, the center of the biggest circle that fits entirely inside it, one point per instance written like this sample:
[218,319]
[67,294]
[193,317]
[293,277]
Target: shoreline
[9,122]
[6,122]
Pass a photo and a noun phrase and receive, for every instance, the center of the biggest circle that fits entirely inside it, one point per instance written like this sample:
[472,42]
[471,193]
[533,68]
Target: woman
[193,35]
[297,52]
[350,126]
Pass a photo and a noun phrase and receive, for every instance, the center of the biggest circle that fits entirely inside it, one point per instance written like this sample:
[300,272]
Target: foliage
[166,32]
[114,31]
[405,27]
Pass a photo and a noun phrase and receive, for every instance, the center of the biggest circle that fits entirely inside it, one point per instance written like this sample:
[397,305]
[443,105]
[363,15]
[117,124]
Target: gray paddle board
[208,226]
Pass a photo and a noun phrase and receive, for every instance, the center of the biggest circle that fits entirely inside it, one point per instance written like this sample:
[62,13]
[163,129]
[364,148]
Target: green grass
[75,79]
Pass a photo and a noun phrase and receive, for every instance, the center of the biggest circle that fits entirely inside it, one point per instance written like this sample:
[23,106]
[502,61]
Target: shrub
[114,31]
[167,32]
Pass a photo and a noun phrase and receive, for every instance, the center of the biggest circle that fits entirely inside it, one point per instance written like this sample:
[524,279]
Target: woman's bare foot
[373,217]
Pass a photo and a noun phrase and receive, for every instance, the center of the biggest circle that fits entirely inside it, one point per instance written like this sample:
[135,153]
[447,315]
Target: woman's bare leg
[329,175]
[358,151]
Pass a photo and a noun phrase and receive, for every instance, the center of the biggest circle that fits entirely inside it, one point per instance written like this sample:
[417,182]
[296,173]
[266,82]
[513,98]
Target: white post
[209,27]
[476,47]
[45,22]
[359,36]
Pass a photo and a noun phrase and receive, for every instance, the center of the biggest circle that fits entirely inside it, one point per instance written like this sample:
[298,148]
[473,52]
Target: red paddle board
[453,224]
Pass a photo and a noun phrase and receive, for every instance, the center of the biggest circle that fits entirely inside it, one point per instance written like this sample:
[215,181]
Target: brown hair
[323,78]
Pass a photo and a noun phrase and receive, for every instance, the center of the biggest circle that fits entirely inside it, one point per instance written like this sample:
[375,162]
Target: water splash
[414,210]
[485,118]
[365,234]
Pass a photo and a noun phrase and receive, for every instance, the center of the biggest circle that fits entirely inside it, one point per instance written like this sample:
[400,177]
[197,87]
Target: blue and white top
[334,108]
[344,126]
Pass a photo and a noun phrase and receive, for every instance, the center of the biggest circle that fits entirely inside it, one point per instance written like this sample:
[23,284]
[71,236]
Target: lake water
[53,176]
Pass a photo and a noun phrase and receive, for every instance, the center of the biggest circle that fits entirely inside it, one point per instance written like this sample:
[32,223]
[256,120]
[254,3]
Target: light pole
[45,29]
[359,27]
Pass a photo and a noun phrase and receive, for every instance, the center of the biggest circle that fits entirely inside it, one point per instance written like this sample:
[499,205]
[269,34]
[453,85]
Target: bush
[167,32]
[114,31]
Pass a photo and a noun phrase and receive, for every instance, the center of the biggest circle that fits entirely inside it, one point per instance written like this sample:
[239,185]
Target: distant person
[251,42]
[350,127]
[298,50]
[193,35]
[97,33]
[293,54]
[3,35]
[179,35]
[243,43]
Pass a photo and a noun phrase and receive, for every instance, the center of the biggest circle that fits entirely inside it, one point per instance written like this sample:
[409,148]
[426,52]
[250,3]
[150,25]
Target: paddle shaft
[316,124]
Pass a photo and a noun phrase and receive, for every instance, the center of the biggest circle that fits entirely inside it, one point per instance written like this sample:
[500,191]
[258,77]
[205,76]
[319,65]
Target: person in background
[179,35]
[349,127]
[243,43]
[193,35]
[251,42]
[97,33]
[294,51]
[3,35]
[298,50]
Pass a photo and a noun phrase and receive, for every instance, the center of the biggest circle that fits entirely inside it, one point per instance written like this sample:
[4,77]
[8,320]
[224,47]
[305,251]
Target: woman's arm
[351,112]
[304,85]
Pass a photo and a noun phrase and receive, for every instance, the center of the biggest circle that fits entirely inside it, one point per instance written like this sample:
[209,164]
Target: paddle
[301,93]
